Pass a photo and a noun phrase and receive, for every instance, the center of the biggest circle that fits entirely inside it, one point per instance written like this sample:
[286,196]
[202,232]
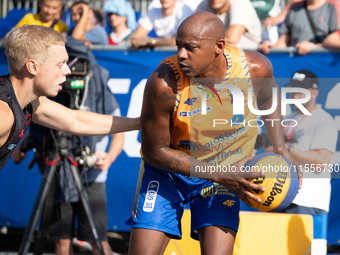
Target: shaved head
[203,25]
[200,46]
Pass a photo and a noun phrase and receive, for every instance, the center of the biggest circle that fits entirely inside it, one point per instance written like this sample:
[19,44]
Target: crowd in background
[249,24]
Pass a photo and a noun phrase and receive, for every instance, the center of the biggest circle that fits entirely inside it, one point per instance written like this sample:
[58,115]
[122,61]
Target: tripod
[53,162]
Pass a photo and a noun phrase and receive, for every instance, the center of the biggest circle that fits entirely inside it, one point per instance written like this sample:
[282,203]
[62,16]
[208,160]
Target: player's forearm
[175,161]
[273,122]
[78,122]
[88,123]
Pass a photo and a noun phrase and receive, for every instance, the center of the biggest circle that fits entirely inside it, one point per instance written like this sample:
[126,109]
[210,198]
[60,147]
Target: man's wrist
[152,42]
[289,148]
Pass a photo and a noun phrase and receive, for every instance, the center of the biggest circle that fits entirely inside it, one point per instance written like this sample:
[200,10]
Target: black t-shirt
[22,119]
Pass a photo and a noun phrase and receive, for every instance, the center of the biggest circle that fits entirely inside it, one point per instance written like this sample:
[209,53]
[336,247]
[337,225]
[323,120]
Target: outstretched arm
[56,116]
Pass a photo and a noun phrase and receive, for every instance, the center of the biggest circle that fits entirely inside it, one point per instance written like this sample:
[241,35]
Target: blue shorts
[161,197]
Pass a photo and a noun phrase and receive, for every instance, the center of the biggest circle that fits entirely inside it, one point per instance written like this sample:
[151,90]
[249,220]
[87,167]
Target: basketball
[281,181]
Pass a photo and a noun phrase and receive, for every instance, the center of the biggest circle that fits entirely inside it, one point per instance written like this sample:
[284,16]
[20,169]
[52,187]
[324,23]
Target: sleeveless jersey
[22,119]
[195,133]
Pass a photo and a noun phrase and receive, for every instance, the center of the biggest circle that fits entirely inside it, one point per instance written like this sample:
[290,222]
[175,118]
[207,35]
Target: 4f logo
[190,101]
[229,202]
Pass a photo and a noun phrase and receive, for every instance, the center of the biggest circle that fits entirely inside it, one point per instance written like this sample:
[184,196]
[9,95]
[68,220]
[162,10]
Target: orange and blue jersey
[195,134]
[160,195]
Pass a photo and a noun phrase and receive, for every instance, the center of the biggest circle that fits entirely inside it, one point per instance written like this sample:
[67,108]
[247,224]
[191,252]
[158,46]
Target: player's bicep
[158,103]
[261,73]
[51,114]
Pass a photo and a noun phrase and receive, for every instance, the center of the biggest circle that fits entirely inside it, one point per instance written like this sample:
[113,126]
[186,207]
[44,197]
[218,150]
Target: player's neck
[23,90]
[216,70]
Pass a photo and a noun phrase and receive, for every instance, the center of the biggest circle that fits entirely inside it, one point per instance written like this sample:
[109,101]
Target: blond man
[37,66]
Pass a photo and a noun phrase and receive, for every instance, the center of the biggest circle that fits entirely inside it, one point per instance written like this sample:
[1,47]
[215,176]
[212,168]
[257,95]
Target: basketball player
[177,138]
[37,66]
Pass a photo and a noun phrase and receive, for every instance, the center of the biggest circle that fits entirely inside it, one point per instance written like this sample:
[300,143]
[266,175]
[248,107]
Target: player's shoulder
[162,78]
[258,64]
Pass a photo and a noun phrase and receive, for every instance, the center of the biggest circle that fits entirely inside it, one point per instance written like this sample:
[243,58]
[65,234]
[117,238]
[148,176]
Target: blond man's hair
[30,42]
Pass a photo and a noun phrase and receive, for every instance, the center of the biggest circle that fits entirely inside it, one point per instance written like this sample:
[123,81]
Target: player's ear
[219,46]
[32,66]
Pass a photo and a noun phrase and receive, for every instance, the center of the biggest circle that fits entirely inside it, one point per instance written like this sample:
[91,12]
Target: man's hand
[264,47]
[137,42]
[305,47]
[103,160]
[82,9]
[240,185]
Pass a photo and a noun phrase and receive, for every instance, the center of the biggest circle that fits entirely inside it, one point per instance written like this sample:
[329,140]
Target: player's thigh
[214,205]
[147,242]
[216,240]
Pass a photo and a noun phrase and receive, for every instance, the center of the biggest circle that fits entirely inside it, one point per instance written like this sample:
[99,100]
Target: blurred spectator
[270,15]
[48,16]
[164,21]
[332,41]
[121,19]
[86,24]
[307,24]
[312,142]
[242,25]
[191,3]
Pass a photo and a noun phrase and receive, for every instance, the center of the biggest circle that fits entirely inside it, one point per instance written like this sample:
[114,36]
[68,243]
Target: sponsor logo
[11,146]
[193,112]
[277,188]
[150,197]
[229,202]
